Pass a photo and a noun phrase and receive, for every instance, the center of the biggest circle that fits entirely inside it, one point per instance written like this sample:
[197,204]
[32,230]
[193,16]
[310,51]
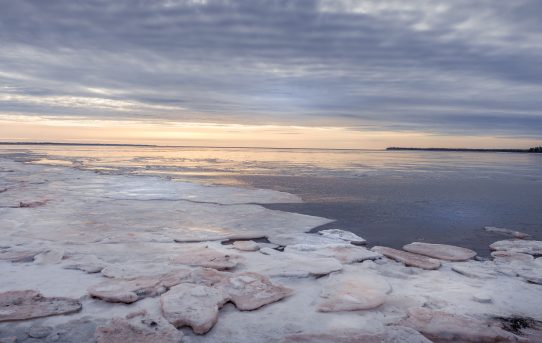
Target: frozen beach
[111,252]
[321,171]
[390,198]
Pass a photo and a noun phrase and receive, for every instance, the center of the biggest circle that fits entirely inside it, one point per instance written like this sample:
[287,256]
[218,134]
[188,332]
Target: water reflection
[388,197]
[222,165]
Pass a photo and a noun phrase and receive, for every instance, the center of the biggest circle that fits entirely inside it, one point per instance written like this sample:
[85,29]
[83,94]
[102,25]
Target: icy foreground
[86,257]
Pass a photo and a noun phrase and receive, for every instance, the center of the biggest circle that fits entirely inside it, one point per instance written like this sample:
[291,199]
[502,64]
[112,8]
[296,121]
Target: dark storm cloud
[459,67]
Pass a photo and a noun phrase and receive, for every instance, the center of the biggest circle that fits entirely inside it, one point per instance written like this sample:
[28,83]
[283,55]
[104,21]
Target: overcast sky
[459,68]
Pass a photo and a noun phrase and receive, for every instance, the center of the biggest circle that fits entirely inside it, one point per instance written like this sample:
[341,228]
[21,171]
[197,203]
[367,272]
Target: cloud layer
[450,67]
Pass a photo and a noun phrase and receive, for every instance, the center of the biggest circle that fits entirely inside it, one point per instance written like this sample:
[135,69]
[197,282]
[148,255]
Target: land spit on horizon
[89,256]
[537,149]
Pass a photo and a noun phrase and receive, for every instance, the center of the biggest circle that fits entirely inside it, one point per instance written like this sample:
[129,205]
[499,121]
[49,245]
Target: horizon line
[174,146]
[390,148]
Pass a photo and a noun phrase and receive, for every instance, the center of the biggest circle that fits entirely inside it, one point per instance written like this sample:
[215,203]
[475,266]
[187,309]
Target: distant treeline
[76,144]
[535,149]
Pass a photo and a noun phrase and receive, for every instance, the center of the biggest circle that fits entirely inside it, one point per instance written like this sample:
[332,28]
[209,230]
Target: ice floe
[393,334]
[440,251]
[440,326]
[204,256]
[409,259]
[343,235]
[28,304]
[342,292]
[193,305]
[519,246]
[137,330]
[246,245]
[507,232]
[306,239]
[476,269]
[297,265]
[344,253]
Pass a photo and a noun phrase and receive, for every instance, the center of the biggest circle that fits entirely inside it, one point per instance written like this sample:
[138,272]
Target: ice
[205,256]
[196,303]
[148,330]
[126,239]
[297,265]
[476,269]
[136,288]
[409,259]
[193,305]
[246,245]
[346,292]
[391,334]
[121,187]
[345,253]
[344,235]
[530,247]
[508,232]
[81,208]
[51,256]
[444,327]
[440,251]
[28,304]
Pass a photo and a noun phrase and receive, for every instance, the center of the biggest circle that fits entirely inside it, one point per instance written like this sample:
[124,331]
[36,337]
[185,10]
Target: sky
[305,73]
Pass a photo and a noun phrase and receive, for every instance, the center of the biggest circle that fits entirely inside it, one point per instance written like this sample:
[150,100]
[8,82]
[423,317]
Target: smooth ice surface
[345,253]
[344,235]
[408,258]
[518,246]
[440,251]
[343,292]
[84,207]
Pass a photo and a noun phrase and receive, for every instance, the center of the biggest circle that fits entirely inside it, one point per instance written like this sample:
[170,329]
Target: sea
[390,198]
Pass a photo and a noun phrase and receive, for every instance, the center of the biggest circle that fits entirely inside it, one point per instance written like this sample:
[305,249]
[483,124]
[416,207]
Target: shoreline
[531,150]
[406,206]
[113,249]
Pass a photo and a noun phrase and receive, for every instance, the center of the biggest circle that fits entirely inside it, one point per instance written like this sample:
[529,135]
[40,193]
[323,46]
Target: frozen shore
[114,258]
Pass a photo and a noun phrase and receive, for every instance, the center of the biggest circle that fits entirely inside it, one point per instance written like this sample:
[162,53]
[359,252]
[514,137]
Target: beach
[115,256]
[321,171]
[390,198]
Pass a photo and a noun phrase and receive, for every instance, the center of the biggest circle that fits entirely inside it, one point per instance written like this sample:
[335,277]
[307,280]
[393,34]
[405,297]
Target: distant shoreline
[531,150]
[177,146]
[76,144]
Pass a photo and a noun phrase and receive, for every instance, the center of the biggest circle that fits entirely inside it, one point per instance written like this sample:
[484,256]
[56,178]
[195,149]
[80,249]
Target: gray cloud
[458,67]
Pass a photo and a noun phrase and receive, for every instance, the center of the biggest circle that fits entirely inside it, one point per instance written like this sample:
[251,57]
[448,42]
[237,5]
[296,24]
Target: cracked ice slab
[28,304]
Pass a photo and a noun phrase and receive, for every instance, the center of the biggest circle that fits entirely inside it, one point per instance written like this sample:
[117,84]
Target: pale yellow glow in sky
[20,128]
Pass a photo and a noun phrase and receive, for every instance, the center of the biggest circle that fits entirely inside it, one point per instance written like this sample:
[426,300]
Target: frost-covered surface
[344,235]
[84,207]
[440,251]
[131,240]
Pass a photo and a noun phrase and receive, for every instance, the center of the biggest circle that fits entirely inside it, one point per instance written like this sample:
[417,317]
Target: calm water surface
[388,197]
